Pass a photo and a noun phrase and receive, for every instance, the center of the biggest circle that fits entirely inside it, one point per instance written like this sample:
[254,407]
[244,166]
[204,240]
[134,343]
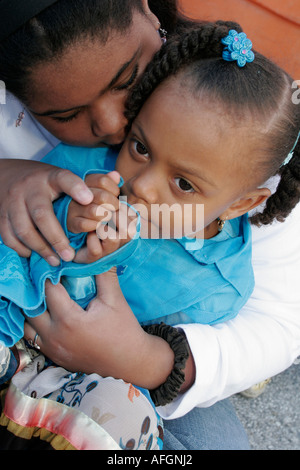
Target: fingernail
[67,255]
[53,261]
[85,196]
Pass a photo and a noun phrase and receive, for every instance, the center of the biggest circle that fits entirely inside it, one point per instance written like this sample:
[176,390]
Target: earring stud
[163,33]
[221,224]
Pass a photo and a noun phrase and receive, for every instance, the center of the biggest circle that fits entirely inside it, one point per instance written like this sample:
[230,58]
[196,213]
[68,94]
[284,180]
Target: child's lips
[142,210]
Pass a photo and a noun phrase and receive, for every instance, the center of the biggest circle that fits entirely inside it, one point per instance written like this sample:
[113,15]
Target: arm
[106,339]
[264,339]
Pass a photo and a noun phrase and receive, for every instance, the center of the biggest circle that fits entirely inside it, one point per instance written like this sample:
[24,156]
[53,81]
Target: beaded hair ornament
[238,47]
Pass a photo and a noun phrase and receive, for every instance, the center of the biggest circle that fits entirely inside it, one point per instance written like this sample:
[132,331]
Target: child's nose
[145,189]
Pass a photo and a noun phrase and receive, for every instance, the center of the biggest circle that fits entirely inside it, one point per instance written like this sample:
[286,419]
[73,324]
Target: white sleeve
[30,141]
[264,339]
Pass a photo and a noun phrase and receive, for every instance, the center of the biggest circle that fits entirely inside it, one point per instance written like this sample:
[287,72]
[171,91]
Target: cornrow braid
[194,44]
[287,195]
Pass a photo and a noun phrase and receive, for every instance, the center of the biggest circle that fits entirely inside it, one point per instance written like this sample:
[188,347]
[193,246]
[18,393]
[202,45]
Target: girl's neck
[210,231]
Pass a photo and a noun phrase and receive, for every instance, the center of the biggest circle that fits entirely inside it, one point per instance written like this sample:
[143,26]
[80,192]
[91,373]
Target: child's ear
[248,202]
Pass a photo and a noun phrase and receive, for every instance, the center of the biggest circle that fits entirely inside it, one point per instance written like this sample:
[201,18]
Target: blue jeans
[214,428]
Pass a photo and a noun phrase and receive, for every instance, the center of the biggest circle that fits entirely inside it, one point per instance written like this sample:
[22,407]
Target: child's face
[182,151]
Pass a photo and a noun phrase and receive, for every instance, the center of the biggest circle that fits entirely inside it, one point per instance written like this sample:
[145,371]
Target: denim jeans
[214,428]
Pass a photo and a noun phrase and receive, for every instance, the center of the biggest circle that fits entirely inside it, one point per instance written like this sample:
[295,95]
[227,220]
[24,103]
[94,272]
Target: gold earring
[221,223]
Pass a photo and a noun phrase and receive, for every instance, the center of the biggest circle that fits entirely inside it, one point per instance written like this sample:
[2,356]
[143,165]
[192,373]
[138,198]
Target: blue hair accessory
[238,47]
[291,154]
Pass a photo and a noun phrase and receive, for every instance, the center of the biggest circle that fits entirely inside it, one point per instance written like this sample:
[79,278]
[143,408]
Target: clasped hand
[109,223]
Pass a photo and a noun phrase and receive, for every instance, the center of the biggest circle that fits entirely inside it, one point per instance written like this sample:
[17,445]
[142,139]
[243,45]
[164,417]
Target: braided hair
[261,88]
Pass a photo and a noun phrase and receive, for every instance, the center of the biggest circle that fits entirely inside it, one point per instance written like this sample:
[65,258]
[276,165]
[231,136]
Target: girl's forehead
[224,120]
[192,130]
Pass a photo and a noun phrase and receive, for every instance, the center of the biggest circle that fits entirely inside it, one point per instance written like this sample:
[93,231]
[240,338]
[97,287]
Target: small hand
[105,191]
[110,223]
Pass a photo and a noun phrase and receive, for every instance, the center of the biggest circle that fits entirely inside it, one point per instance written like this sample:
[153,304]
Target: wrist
[154,361]
[173,385]
[162,358]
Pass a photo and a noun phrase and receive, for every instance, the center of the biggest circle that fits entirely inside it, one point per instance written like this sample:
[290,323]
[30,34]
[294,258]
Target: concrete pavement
[272,420]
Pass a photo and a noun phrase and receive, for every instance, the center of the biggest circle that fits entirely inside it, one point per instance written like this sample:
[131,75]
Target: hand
[103,238]
[106,339]
[27,220]
[108,239]
[105,190]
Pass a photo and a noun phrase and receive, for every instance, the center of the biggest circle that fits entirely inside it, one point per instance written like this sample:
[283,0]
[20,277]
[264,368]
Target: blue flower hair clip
[238,47]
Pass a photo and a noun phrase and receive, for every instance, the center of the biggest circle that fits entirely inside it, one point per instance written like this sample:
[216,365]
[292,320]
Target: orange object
[272,25]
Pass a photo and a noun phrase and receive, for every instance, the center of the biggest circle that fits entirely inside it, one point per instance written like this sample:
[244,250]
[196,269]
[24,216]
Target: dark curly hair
[260,88]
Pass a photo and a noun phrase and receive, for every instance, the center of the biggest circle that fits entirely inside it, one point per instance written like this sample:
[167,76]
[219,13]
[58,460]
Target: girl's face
[181,152]
[80,97]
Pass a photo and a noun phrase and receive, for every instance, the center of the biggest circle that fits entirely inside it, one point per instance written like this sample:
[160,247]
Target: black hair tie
[169,390]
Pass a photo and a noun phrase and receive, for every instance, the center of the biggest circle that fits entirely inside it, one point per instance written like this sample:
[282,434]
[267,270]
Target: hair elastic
[291,154]
[176,338]
[238,47]
[15,13]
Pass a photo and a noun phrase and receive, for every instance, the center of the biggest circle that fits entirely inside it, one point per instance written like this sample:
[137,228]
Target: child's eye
[140,148]
[184,185]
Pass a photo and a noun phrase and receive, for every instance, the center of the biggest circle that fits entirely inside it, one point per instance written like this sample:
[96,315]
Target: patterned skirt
[47,407]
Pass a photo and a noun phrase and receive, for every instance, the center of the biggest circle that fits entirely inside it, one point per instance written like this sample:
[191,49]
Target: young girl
[231,139]
[235,132]
[187,278]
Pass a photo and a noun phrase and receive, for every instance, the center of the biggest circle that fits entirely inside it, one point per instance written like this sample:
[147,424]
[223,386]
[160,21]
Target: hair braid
[287,195]
[197,43]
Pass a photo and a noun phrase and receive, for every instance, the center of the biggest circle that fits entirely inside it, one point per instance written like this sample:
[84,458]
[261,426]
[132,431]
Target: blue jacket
[163,280]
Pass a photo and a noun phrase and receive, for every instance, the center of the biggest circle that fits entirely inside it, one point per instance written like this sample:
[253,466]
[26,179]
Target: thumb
[59,303]
[115,176]
[108,287]
[64,181]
